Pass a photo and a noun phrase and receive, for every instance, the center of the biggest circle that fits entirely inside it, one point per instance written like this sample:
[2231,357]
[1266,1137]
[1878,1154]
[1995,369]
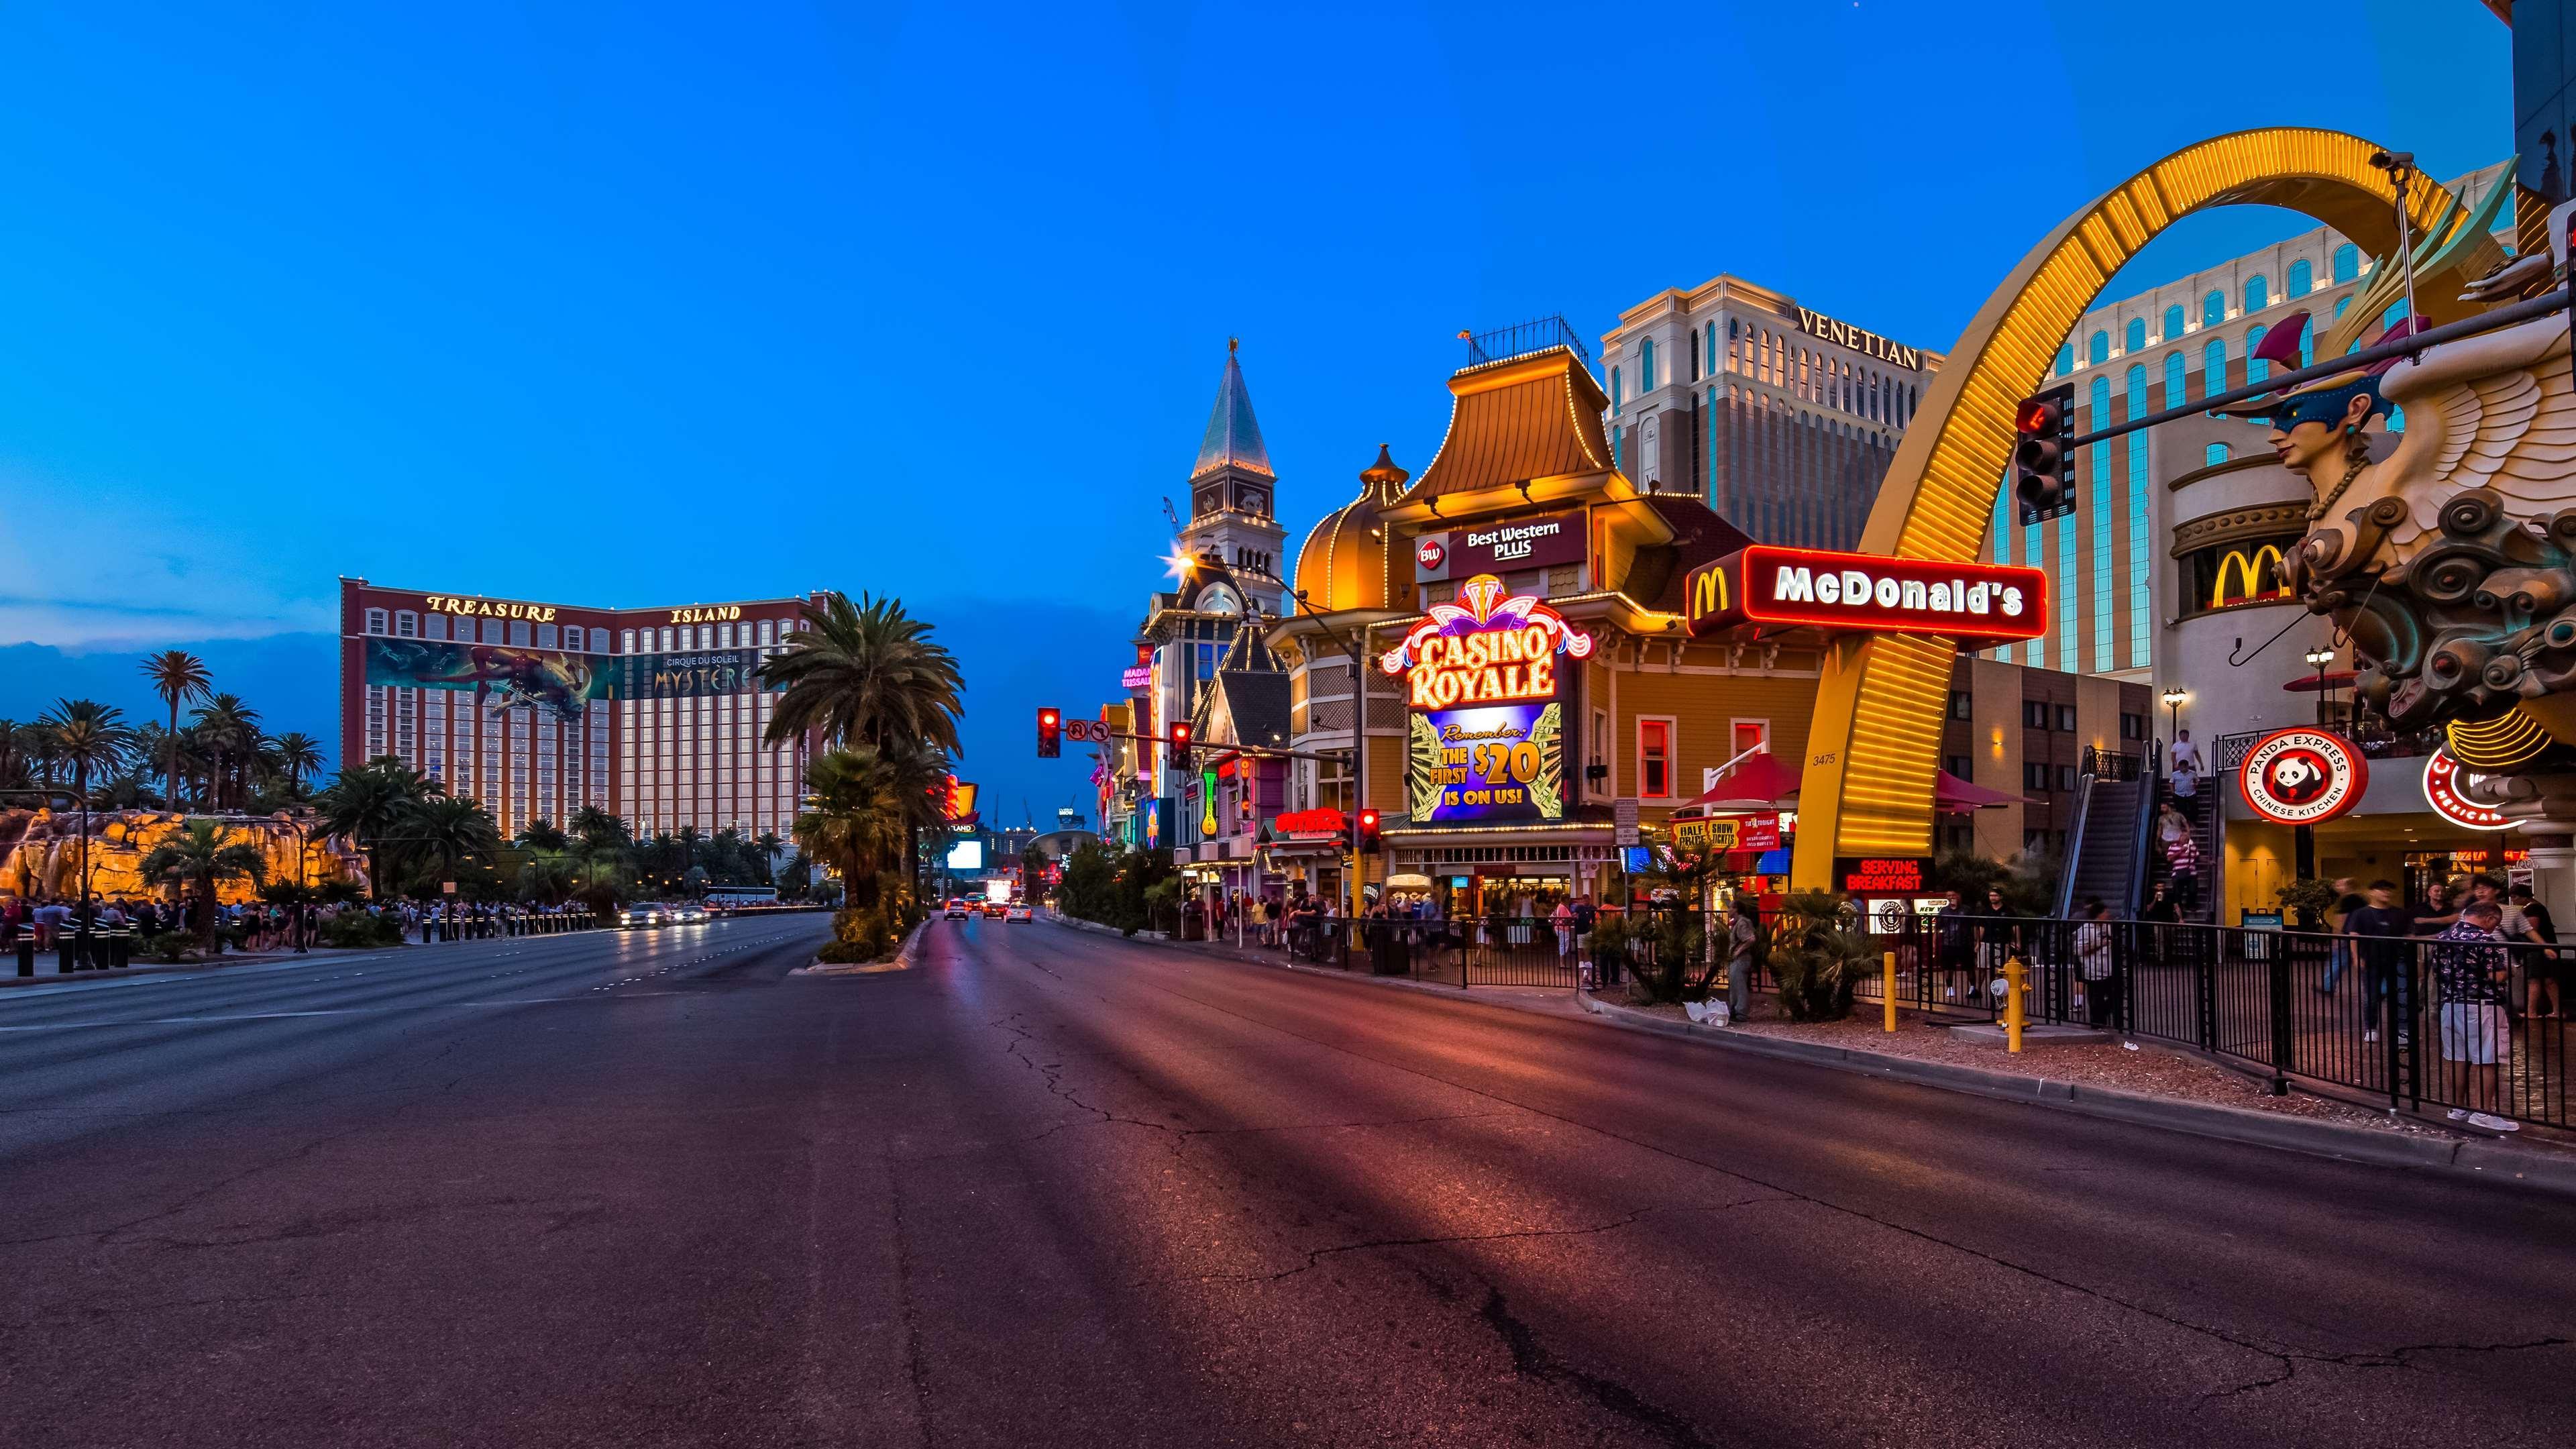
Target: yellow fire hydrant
[1887,990]
[2015,984]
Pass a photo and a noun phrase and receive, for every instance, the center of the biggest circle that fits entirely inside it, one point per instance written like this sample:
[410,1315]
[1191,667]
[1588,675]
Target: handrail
[2084,785]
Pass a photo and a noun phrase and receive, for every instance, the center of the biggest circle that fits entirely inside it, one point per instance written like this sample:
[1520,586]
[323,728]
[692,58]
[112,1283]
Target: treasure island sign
[1483,692]
[1770,588]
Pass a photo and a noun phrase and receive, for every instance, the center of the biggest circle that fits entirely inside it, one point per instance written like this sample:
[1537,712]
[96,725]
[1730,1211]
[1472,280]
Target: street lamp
[2318,659]
[2174,696]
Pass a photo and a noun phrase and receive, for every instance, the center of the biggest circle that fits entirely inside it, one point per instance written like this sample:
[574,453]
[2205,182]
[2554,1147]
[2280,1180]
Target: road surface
[1054,1188]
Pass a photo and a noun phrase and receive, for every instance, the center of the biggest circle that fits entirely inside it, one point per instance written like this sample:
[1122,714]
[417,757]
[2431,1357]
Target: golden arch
[1867,785]
[2252,568]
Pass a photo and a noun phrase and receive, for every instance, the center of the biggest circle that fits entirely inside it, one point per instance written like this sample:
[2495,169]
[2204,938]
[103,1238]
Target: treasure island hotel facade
[653,715]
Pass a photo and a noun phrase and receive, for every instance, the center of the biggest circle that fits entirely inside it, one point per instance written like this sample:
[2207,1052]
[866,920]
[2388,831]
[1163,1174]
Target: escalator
[2110,854]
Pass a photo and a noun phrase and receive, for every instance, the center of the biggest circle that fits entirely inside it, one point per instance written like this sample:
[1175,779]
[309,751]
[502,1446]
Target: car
[957,911]
[993,908]
[1019,911]
[690,915]
[644,914]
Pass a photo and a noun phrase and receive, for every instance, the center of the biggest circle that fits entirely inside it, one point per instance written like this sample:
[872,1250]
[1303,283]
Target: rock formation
[40,851]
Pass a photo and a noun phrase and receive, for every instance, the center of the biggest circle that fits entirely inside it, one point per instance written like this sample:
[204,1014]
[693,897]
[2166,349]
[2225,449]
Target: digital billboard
[687,675]
[966,855]
[1485,729]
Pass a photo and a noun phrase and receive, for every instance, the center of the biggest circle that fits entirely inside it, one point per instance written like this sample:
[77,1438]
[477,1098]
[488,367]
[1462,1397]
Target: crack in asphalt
[1530,1359]
[1317,1255]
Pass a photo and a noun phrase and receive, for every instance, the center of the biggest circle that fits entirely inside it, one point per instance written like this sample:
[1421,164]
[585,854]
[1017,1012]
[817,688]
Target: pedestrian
[2094,960]
[1585,918]
[2379,933]
[2185,755]
[2440,910]
[1999,935]
[1743,946]
[2181,850]
[1563,919]
[2470,970]
[2338,960]
[2544,972]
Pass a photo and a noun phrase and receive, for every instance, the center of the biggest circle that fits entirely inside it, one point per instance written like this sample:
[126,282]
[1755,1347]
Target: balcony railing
[1523,338]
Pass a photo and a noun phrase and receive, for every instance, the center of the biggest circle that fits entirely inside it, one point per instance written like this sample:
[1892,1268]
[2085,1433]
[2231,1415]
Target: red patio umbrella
[1760,782]
[1954,796]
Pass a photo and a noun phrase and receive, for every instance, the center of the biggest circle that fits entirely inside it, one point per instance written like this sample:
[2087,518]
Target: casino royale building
[1531,665]
[538,710]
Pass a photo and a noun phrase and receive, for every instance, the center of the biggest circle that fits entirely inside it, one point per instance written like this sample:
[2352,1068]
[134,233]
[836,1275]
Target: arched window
[2341,303]
[2258,293]
[2308,347]
[2256,369]
[2395,314]
[2214,455]
[2066,359]
[2303,278]
[1646,367]
[2213,309]
[2134,337]
[1694,354]
[2100,350]
[2347,262]
[2176,388]
[2173,323]
[1712,349]
[2140,635]
[1616,400]
[2213,367]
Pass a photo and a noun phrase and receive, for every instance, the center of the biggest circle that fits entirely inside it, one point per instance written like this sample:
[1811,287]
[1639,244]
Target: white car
[644,914]
[1018,912]
[691,914]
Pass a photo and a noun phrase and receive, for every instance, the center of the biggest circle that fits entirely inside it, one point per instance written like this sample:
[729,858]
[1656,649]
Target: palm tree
[88,736]
[179,677]
[297,754]
[450,829]
[857,820]
[544,835]
[548,877]
[197,854]
[768,844]
[370,804]
[231,731]
[597,828]
[13,754]
[688,838]
[865,674]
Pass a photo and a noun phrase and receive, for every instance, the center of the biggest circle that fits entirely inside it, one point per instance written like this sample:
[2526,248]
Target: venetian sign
[1770,587]
[2446,789]
[2302,776]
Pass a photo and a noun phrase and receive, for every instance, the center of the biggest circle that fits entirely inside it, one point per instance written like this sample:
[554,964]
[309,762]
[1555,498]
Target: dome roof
[1343,562]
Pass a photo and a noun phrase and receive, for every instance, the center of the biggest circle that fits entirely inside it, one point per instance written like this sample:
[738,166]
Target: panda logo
[2298,777]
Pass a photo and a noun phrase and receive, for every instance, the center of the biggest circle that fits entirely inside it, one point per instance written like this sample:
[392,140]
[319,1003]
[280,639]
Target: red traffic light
[1180,742]
[1050,734]
[2044,455]
[1368,830]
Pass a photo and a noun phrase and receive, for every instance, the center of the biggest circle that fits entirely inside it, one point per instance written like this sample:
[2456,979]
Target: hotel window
[2135,339]
[375,621]
[2173,323]
[2132,726]
[547,638]
[1694,354]
[435,626]
[2066,359]
[1749,734]
[2302,278]
[1618,397]
[572,636]
[2213,309]
[1710,346]
[666,641]
[2215,454]
[625,641]
[2347,262]
[2258,293]
[764,631]
[724,637]
[2066,718]
[2035,777]
[2177,385]
[2034,714]
[2213,367]
[519,632]
[1961,704]
[2256,368]
[1655,759]
[406,625]
[2099,350]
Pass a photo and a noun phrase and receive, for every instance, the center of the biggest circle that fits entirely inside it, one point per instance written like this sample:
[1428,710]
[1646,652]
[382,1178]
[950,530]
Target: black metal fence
[1461,952]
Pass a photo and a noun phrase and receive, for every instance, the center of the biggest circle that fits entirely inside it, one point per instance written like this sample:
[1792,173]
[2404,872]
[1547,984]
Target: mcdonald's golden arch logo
[1709,593]
[2251,569]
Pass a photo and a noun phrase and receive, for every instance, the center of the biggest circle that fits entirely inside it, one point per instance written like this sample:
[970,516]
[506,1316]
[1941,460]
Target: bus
[739,897]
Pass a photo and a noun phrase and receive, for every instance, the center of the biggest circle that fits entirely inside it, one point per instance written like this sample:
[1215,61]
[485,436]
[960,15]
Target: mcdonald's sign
[1769,587]
[2251,569]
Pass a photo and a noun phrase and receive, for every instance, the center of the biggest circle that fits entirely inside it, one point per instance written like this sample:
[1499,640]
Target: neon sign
[1785,588]
[1491,651]
[2447,789]
[2303,776]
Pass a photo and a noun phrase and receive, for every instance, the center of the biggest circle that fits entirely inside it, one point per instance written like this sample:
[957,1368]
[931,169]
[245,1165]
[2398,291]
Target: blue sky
[651,304]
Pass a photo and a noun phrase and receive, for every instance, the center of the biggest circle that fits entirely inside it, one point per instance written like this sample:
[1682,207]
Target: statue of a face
[2308,448]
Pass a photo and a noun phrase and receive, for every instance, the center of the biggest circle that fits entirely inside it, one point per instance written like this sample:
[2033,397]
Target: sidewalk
[47,975]
[2144,1085]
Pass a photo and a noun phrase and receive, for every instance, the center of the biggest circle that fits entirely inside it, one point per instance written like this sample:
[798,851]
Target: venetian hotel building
[538,710]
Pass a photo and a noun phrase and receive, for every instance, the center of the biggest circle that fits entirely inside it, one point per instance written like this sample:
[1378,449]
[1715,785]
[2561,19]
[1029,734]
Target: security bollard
[1887,990]
[66,960]
[120,949]
[26,954]
[2014,972]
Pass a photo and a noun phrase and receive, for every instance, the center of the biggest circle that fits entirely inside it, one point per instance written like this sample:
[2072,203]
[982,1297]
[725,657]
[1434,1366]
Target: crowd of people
[1519,919]
[49,923]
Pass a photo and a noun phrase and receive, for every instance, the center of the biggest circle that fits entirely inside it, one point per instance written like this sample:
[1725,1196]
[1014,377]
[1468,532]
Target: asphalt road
[1058,1189]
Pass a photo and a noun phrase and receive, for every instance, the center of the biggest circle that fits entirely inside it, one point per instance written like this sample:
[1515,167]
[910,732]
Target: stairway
[2202,810]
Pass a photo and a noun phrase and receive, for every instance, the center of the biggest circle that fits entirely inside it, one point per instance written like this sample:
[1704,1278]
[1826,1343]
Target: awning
[1759,783]
[2311,683]
[1408,882]
[1954,796]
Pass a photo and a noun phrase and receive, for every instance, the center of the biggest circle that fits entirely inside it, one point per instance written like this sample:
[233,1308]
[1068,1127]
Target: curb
[2475,1157]
[902,959]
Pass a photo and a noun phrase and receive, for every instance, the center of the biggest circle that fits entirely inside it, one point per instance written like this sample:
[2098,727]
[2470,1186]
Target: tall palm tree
[297,754]
[768,844]
[13,755]
[543,835]
[179,677]
[90,738]
[856,824]
[865,674]
[597,828]
[197,855]
[231,730]
[370,804]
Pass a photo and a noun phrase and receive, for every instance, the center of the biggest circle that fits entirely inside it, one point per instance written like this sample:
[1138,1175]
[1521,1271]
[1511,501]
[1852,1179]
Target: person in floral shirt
[2470,968]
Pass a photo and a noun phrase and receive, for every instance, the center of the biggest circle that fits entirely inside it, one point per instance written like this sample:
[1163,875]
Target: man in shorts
[2470,969]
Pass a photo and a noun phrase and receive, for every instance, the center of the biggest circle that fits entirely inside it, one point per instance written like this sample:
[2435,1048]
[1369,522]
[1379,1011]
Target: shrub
[169,947]
[859,935]
[1661,949]
[358,929]
[1819,957]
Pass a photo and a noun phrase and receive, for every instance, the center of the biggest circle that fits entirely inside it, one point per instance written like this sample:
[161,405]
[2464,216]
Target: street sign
[1623,822]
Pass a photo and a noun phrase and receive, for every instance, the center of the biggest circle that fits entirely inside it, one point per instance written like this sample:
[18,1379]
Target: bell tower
[1233,496]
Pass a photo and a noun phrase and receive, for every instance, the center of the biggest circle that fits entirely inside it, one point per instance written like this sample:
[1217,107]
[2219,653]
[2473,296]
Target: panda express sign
[1769,587]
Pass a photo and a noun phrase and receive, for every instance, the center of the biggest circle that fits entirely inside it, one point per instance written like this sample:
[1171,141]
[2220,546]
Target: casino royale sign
[1769,587]
[1485,726]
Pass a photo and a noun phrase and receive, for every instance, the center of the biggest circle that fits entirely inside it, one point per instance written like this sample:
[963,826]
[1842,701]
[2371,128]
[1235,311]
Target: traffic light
[1050,734]
[1180,744]
[1368,832]
[2044,455]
